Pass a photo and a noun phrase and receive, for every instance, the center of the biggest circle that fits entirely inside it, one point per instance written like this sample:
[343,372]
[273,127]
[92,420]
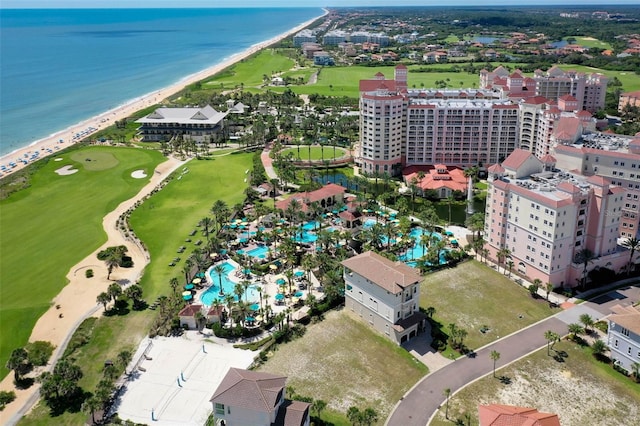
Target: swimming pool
[416,251]
[369,223]
[311,226]
[213,292]
[259,252]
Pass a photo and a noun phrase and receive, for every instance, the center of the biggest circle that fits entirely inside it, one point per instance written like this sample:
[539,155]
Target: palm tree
[551,337]
[598,348]
[635,369]
[575,329]
[113,260]
[220,212]
[229,301]
[114,291]
[103,298]
[510,266]
[206,224]
[447,393]
[219,269]
[90,406]
[587,321]
[495,356]
[503,254]
[19,363]
[584,256]
[173,282]
[548,288]
[632,244]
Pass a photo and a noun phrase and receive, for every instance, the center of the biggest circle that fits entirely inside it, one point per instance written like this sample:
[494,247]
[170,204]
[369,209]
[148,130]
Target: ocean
[61,66]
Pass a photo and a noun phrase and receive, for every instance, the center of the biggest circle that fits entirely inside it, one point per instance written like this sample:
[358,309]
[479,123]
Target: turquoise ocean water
[61,66]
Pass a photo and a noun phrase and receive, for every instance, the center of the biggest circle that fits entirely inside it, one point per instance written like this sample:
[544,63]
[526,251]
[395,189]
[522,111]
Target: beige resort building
[384,293]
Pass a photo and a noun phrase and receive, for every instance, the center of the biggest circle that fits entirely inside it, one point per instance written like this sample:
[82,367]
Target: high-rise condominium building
[545,218]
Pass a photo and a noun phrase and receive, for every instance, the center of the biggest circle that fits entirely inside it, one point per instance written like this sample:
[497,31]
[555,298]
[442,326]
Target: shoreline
[20,158]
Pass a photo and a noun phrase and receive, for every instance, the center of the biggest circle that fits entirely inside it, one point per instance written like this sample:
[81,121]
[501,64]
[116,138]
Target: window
[219,408]
[624,331]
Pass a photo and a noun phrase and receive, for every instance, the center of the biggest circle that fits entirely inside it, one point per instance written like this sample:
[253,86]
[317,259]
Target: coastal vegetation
[335,362]
[578,376]
[462,297]
[65,215]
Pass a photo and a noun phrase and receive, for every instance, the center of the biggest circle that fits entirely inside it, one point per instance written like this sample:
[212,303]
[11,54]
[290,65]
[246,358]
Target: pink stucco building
[544,216]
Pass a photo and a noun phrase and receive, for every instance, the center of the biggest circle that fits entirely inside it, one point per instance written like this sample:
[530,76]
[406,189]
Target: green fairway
[306,152]
[55,223]
[590,42]
[250,72]
[165,220]
[466,295]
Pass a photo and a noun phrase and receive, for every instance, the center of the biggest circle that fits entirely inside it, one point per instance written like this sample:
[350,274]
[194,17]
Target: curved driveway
[423,400]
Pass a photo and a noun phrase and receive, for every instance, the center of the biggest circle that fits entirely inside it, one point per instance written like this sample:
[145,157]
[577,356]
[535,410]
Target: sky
[290,3]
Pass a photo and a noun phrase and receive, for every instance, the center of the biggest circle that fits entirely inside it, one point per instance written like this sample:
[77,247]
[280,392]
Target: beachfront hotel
[401,127]
[614,157]
[386,294]
[201,125]
[545,216]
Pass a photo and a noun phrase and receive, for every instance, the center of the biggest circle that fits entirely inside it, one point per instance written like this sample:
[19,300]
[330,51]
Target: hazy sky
[288,3]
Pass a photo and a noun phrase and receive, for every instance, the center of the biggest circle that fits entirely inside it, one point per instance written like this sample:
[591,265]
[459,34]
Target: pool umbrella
[213,255]
[273,267]
[299,274]
[197,280]
[279,296]
[281,281]
[186,293]
[188,287]
[246,271]
[187,297]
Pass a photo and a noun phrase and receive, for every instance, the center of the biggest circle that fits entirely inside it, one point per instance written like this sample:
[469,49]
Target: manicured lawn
[250,71]
[165,220]
[315,152]
[584,391]
[468,294]
[344,362]
[53,224]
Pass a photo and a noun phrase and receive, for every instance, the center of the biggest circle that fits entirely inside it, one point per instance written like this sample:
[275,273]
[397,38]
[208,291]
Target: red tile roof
[496,168]
[516,159]
[567,128]
[250,390]
[507,415]
[548,159]
[453,178]
[391,276]
[190,310]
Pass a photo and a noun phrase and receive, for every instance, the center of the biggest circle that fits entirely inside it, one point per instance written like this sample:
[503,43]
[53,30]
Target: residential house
[440,178]
[623,336]
[384,293]
[326,197]
[258,399]
[508,415]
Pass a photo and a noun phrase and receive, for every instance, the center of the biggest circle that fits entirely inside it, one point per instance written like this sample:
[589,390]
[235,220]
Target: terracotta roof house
[188,315]
[438,178]
[508,415]
[326,197]
[258,399]
[623,336]
[385,294]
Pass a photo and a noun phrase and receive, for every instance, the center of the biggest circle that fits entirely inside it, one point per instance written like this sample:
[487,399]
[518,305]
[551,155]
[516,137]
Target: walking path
[421,403]
[77,300]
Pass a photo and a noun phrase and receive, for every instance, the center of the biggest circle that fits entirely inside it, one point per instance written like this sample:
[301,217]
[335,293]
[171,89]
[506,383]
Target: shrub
[39,352]
[6,397]
[88,273]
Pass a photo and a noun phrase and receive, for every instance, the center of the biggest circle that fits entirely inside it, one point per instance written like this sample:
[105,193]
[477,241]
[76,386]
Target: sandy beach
[20,158]
[77,300]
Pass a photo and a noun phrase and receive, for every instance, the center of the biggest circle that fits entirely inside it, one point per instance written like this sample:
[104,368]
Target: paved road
[417,406]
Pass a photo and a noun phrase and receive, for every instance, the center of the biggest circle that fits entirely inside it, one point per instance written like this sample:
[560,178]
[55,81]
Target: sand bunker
[66,170]
[58,159]
[138,174]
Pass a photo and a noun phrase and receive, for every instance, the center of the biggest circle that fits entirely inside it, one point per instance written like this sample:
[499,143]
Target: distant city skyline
[44,4]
